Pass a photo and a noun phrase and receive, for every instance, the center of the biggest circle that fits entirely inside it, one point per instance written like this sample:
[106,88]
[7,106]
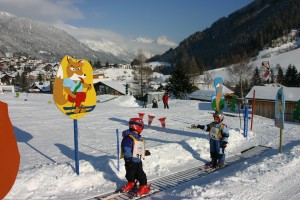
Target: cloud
[149,46]
[163,40]
[42,10]
[144,40]
[57,12]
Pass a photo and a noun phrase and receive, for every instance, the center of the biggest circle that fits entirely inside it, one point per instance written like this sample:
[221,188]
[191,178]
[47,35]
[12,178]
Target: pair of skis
[132,194]
[72,108]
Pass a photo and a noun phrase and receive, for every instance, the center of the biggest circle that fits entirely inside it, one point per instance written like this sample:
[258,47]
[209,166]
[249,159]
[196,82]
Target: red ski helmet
[218,116]
[136,124]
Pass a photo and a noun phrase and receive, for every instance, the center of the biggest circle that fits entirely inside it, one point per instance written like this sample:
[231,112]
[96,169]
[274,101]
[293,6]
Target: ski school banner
[217,99]
[279,109]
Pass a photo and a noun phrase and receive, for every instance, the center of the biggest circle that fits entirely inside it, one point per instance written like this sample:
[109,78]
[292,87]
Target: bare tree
[193,69]
[142,74]
[239,73]
[208,78]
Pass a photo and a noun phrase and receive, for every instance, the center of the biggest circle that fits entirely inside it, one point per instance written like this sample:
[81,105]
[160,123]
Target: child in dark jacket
[133,151]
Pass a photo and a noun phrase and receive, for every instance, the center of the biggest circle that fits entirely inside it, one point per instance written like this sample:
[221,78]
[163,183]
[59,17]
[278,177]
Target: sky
[127,22]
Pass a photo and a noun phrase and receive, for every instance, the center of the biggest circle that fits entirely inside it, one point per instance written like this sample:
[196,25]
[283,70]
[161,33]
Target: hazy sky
[166,22]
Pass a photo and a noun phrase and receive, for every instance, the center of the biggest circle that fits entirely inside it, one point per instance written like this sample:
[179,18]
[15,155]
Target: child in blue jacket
[219,134]
[133,151]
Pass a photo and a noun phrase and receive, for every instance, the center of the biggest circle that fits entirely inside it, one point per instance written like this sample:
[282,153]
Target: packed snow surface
[45,139]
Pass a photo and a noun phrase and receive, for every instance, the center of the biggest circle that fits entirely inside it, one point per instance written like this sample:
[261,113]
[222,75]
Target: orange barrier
[141,115]
[163,121]
[9,152]
[150,119]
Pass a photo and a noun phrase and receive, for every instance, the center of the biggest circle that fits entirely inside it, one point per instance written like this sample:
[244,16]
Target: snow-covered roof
[43,86]
[116,85]
[206,94]
[269,93]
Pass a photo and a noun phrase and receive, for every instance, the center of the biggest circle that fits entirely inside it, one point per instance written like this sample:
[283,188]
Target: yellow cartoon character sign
[73,90]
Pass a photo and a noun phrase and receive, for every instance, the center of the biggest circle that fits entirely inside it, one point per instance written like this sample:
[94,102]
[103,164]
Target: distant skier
[154,103]
[219,134]
[145,100]
[165,99]
[133,151]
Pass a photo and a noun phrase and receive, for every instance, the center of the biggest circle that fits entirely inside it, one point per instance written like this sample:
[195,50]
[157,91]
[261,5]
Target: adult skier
[133,151]
[219,134]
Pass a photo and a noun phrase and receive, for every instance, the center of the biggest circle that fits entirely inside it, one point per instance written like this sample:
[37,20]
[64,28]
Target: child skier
[133,151]
[154,103]
[219,134]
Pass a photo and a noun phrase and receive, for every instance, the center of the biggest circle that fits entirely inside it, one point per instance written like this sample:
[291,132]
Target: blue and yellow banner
[279,109]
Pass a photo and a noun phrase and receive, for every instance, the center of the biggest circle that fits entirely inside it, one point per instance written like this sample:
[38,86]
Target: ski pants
[217,153]
[80,97]
[134,171]
[166,105]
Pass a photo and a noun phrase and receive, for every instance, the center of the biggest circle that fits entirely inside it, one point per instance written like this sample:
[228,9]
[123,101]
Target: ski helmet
[136,124]
[218,116]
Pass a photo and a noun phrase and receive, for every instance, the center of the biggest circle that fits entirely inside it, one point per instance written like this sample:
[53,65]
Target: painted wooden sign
[73,90]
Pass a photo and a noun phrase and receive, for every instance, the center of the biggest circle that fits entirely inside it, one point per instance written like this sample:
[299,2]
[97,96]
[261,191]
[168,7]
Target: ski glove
[201,126]
[147,153]
[224,145]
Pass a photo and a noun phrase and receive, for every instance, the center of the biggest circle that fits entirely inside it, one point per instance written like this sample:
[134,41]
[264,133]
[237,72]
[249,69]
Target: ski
[88,109]
[132,194]
[212,169]
[73,107]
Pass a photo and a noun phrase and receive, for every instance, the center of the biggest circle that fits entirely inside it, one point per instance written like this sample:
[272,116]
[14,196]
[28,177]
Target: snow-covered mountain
[110,47]
[41,40]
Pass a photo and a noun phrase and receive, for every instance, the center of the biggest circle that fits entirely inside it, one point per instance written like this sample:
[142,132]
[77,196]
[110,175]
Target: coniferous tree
[272,76]
[179,83]
[291,76]
[24,82]
[280,76]
[256,79]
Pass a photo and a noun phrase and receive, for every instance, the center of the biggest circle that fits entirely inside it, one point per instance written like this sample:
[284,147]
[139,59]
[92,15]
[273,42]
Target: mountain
[40,40]
[110,47]
[244,32]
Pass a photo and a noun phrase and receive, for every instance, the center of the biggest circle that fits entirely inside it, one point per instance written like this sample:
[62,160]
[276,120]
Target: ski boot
[211,164]
[129,186]
[143,189]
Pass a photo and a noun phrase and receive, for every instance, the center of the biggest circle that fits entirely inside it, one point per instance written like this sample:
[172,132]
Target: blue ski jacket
[127,144]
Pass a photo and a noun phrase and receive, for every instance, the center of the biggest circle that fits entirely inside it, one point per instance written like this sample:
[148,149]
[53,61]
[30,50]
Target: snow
[46,145]
[285,55]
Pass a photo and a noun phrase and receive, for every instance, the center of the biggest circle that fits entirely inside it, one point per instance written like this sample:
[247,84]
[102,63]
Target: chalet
[110,87]
[98,74]
[265,100]
[205,94]
[6,79]
[37,87]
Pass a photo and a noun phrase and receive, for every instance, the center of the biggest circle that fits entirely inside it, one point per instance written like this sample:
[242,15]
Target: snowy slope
[45,141]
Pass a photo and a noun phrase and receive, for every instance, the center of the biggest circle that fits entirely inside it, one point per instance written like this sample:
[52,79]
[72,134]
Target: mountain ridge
[23,36]
[247,30]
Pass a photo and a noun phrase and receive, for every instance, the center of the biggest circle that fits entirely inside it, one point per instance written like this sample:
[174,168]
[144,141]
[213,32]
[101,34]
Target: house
[205,94]
[5,79]
[37,87]
[265,100]
[110,87]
